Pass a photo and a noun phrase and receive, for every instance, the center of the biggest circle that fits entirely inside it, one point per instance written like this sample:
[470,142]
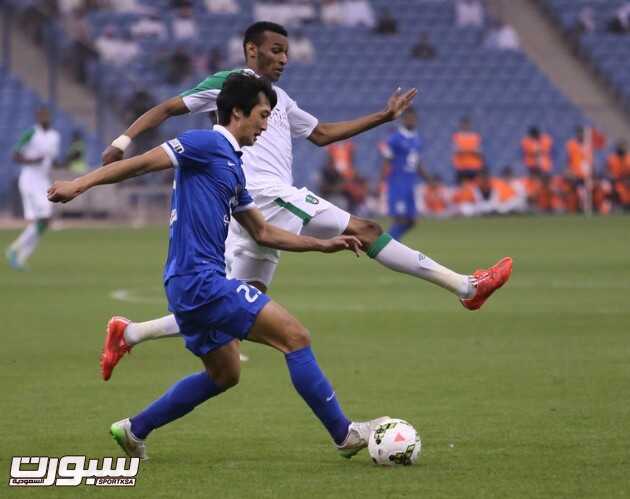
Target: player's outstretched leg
[398,257]
[277,328]
[121,335]
[222,372]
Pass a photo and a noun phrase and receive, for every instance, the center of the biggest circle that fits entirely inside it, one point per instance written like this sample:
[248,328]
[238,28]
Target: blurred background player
[35,152]
[403,170]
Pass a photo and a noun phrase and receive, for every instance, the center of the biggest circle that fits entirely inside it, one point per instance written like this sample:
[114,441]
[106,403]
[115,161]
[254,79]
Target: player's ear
[250,50]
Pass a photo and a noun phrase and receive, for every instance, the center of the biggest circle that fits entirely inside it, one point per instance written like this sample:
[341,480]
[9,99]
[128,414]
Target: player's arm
[154,160]
[422,171]
[326,133]
[271,236]
[154,117]
[18,157]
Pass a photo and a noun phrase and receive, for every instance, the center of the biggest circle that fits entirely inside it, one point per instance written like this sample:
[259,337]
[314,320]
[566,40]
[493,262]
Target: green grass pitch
[529,397]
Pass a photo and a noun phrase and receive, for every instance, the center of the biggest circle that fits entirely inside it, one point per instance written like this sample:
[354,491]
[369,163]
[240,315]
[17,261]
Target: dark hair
[255,33]
[241,90]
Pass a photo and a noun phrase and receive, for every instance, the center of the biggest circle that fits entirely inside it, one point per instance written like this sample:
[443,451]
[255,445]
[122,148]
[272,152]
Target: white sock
[164,327]
[396,256]
[26,243]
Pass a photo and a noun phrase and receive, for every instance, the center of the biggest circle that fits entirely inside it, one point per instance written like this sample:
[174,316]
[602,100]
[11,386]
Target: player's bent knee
[297,336]
[225,378]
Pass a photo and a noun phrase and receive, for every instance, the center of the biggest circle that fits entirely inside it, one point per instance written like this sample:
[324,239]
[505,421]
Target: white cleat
[133,447]
[358,435]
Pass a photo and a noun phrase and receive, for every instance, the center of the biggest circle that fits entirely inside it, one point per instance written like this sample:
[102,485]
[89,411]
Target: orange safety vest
[505,190]
[465,194]
[467,151]
[435,199]
[537,153]
[578,157]
[341,154]
[618,167]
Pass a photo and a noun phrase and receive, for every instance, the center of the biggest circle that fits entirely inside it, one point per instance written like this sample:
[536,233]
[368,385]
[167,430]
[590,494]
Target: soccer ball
[394,442]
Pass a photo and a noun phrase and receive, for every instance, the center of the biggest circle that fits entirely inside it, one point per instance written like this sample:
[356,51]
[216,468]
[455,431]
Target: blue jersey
[209,186]
[402,149]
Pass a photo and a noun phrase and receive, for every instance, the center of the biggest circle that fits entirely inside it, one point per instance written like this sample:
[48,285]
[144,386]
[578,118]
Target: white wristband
[122,142]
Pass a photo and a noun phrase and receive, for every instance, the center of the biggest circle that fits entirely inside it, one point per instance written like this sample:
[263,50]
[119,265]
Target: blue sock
[398,230]
[179,400]
[317,392]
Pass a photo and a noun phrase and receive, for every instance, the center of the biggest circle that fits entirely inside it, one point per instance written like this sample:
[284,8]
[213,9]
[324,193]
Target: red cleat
[115,346]
[488,281]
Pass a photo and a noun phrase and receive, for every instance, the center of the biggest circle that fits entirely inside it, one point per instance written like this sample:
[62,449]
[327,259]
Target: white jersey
[38,143]
[269,161]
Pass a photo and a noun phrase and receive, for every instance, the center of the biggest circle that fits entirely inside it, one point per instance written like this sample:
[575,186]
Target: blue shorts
[401,200]
[211,310]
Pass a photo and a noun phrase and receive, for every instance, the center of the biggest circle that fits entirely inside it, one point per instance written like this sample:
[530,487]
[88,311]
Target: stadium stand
[355,70]
[607,52]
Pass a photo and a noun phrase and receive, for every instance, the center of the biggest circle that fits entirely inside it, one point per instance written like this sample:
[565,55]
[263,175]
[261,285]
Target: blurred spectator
[602,196]
[586,20]
[466,199]
[618,170]
[222,6]
[127,6]
[564,194]
[435,198]
[467,152]
[285,12]
[302,49]
[331,12]
[81,50]
[537,149]
[620,23]
[339,177]
[500,195]
[423,49]
[579,156]
[184,24]
[502,37]
[138,104]
[358,13]
[114,49]
[214,61]
[178,67]
[235,55]
[386,24]
[75,159]
[468,13]
[150,26]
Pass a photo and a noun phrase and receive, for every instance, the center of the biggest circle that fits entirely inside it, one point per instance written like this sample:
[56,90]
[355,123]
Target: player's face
[256,123]
[43,118]
[409,120]
[272,55]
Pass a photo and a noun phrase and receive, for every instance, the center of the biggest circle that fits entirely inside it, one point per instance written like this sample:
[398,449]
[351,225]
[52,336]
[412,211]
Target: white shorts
[295,210]
[33,189]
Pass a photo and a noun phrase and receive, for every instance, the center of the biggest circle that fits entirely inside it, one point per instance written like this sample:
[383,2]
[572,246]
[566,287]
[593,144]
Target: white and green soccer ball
[394,442]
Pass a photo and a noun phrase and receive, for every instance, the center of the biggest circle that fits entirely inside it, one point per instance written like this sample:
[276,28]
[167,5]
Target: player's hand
[63,191]
[341,243]
[398,102]
[111,154]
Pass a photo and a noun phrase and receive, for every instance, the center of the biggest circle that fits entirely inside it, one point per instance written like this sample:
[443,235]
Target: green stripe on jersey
[306,218]
[212,82]
[24,139]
